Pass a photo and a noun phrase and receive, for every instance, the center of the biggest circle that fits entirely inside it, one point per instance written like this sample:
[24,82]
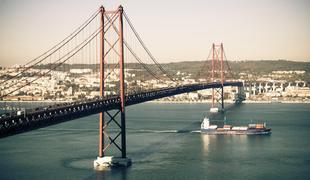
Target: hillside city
[84,83]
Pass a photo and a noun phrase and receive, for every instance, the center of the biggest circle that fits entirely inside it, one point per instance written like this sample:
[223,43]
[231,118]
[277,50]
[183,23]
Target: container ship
[251,129]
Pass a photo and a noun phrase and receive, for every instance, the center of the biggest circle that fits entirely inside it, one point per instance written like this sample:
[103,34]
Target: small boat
[251,129]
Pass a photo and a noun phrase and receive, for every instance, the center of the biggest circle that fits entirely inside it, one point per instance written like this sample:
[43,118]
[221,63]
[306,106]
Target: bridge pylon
[107,137]
[217,75]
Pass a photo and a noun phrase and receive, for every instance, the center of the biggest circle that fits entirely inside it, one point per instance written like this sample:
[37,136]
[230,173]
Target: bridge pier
[240,96]
[111,161]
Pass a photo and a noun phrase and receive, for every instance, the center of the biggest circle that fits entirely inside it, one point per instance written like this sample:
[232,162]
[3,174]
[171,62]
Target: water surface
[163,142]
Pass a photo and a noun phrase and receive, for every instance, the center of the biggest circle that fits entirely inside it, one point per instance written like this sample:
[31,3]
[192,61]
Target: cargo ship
[251,129]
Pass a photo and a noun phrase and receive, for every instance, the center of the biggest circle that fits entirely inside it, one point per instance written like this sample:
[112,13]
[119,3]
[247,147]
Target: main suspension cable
[204,65]
[145,48]
[132,52]
[51,51]
[90,38]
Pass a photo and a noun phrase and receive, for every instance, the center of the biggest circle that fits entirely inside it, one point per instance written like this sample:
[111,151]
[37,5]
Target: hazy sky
[173,30]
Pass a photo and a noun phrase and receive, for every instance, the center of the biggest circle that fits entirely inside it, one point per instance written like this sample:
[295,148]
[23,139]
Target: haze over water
[163,142]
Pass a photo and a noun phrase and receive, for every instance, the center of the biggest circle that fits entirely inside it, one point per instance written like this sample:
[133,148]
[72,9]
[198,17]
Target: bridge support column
[103,161]
[217,75]
[122,87]
[222,97]
[217,99]
[101,115]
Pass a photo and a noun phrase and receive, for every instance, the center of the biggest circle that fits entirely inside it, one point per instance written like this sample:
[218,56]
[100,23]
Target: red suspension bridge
[106,41]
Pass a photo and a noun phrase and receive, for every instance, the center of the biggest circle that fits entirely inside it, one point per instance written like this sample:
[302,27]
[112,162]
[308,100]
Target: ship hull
[237,132]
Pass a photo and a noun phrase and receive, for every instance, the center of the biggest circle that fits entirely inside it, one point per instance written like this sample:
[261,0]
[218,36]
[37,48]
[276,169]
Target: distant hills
[260,67]
[256,68]
[264,66]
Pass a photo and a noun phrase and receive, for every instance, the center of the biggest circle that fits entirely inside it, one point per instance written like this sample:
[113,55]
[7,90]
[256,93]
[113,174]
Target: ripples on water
[164,142]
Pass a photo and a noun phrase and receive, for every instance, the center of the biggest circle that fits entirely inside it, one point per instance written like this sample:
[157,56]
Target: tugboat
[251,129]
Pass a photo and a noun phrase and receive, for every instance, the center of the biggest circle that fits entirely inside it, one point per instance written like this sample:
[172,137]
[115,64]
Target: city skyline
[256,30]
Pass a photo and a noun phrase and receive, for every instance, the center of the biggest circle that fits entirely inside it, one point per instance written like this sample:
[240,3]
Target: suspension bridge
[108,42]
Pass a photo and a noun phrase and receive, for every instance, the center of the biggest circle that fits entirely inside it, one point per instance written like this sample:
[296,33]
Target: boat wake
[129,130]
[65,129]
[165,131]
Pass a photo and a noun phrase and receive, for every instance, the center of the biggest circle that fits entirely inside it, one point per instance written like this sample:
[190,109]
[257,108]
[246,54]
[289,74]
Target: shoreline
[180,102]
[229,102]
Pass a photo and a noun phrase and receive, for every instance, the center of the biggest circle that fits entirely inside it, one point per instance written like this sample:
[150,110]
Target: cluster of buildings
[84,83]
[43,84]
[276,87]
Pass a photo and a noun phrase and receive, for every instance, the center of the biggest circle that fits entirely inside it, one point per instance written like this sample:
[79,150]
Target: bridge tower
[217,75]
[106,141]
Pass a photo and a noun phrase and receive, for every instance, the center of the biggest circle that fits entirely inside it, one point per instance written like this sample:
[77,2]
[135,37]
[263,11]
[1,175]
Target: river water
[164,142]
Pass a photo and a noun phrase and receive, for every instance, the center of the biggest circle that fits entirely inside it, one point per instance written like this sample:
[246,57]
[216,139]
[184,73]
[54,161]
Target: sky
[173,30]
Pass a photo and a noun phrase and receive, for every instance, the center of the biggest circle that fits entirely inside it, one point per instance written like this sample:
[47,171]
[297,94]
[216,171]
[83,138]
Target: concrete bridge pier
[240,96]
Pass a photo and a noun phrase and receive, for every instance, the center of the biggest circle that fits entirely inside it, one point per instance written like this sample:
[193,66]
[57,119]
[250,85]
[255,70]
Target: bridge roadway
[54,114]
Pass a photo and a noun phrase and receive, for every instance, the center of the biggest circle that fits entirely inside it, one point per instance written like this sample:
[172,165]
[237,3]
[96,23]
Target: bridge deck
[46,116]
